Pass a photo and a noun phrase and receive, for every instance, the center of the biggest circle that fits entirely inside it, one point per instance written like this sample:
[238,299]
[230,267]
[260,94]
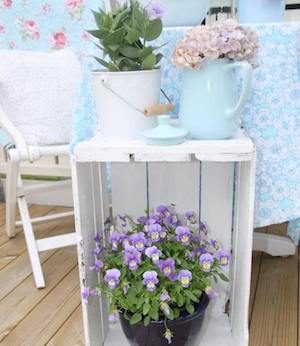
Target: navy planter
[186,329]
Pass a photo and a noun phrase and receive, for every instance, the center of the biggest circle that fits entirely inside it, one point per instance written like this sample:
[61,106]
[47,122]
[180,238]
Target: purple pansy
[164,297]
[206,261]
[163,210]
[211,293]
[185,278]
[132,257]
[173,220]
[142,220]
[113,317]
[138,240]
[122,219]
[88,292]
[150,280]
[97,266]
[112,278]
[196,238]
[154,232]
[98,238]
[98,250]
[202,227]
[154,253]
[183,235]
[114,239]
[215,244]
[167,267]
[190,217]
[168,335]
[125,287]
[224,258]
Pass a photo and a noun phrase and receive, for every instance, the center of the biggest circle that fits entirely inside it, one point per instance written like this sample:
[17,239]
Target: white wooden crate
[196,175]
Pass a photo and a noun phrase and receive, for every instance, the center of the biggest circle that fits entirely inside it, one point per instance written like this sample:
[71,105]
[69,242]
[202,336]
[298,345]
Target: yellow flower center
[167,270]
[224,260]
[155,257]
[155,235]
[150,284]
[111,282]
[139,245]
[185,238]
[132,263]
[206,265]
[185,280]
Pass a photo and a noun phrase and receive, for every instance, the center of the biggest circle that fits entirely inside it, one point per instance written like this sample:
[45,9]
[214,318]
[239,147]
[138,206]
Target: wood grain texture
[19,269]
[46,318]
[26,297]
[70,332]
[274,320]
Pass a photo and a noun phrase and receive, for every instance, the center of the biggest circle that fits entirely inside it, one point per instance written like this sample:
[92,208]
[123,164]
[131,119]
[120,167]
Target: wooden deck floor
[52,316]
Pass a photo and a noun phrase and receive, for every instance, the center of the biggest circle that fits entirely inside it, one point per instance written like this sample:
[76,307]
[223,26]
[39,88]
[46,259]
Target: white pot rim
[100,72]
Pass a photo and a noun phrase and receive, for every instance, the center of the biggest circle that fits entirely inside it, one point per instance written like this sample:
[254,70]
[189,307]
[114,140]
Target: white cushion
[38,92]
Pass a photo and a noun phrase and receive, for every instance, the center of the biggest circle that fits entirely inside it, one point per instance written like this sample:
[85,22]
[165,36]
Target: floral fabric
[271,116]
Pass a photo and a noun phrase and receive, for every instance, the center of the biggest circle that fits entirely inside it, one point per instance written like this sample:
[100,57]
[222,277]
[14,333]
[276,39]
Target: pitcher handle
[247,81]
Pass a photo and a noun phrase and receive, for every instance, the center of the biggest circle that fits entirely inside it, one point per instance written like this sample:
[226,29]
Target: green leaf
[130,52]
[176,313]
[102,62]
[180,300]
[132,36]
[190,308]
[158,59]
[147,320]
[191,296]
[114,38]
[101,34]
[153,30]
[136,318]
[223,277]
[98,17]
[153,313]
[146,308]
[149,62]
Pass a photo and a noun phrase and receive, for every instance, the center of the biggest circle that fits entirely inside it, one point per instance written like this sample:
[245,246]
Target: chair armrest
[15,134]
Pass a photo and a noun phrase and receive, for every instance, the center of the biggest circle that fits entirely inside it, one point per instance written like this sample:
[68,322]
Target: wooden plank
[256,262]
[129,188]
[11,249]
[216,211]
[26,297]
[46,318]
[71,332]
[36,210]
[177,183]
[275,312]
[19,269]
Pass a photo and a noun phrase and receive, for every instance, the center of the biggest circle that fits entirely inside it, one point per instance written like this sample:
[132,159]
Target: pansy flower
[206,261]
[155,232]
[211,293]
[138,240]
[224,258]
[185,278]
[112,278]
[154,253]
[132,257]
[150,280]
[97,266]
[167,267]
[183,235]
[190,216]
[114,239]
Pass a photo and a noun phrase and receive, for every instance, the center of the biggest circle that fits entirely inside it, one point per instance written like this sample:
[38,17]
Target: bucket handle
[246,87]
[151,110]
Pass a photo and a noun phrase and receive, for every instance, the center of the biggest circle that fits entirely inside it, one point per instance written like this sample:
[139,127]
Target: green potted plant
[130,78]
[157,274]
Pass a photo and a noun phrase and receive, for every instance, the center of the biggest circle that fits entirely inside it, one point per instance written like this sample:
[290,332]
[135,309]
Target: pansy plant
[157,266]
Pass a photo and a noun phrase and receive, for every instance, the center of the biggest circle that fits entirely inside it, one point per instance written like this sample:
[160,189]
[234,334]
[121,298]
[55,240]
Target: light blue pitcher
[209,108]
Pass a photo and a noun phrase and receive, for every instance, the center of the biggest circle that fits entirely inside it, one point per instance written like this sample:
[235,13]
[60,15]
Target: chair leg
[31,242]
[11,197]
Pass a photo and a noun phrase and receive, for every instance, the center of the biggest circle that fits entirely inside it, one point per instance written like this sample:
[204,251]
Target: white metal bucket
[121,98]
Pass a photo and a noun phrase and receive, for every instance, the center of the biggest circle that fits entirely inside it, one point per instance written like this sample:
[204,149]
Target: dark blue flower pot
[260,11]
[186,329]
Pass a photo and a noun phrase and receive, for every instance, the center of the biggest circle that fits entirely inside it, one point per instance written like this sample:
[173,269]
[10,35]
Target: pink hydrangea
[223,39]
